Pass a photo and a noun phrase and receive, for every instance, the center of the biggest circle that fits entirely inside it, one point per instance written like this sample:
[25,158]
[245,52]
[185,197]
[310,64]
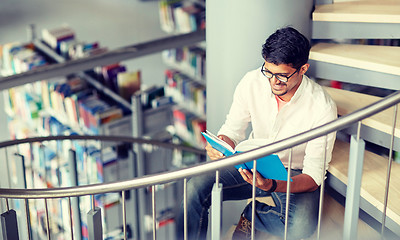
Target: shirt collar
[300,90]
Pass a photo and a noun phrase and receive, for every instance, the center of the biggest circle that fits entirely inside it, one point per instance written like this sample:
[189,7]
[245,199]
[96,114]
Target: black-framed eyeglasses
[281,78]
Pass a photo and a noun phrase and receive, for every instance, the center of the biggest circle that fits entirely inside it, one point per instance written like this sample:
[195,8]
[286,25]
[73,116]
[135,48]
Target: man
[279,101]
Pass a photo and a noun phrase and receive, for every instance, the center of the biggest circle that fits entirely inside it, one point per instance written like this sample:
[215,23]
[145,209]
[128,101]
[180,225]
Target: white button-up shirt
[310,106]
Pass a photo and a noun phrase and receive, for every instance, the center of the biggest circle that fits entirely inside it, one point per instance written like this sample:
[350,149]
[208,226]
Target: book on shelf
[53,37]
[150,94]
[166,15]
[270,166]
[88,108]
[18,57]
[161,101]
[110,73]
[128,83]
[27,59]
[9,50]
[82,49]
[181,16]
[188,126]
[186,92]
[190,60]
[74,103]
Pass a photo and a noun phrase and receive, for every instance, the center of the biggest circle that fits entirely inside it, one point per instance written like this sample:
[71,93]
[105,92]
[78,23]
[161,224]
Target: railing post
[9,225]
[351,214]
[95,228]
[46,208]
[389,168]
[253,199]
[216,206]
[124,214]
[18,163]
[154,213]
[185,209]
[322,191]
[74,201]
[288,195]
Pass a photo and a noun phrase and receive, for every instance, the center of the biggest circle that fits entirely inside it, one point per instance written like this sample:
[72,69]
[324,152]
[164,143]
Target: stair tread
[385,59]
[359,11]
[373,179]
[349,101]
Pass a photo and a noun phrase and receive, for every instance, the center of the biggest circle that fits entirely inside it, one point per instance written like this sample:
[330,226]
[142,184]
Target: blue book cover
[270,166]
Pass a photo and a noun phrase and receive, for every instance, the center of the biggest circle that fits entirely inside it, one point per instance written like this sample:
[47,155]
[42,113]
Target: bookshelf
[83,68]
[155,115]
[185,79]
[75,104]
[182,16]
[157,123]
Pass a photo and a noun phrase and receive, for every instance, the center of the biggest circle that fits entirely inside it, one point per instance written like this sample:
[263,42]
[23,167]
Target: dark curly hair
[286,46]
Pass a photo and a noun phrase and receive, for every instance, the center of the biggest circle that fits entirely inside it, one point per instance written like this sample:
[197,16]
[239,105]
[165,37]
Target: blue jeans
[303,209]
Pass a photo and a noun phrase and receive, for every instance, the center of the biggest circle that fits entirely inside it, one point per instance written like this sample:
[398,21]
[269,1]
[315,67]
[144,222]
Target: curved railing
[211,166]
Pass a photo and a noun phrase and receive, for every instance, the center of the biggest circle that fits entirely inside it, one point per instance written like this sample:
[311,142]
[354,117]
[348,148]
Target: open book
[269,166]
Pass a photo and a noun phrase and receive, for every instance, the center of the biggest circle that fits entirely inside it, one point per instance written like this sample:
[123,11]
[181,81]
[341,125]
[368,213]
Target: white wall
[236,30]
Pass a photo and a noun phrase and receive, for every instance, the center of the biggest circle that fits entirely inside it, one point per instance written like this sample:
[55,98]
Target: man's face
[285,90]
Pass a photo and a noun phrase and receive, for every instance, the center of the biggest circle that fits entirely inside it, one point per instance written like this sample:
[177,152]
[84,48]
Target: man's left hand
[261,183]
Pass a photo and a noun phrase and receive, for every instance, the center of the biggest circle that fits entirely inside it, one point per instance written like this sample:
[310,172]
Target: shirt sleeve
[313,164]
[238,118]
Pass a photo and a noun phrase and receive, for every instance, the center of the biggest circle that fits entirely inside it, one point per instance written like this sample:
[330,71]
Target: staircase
[337,58]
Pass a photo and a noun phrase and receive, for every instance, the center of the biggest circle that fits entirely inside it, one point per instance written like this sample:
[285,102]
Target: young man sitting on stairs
[279,101]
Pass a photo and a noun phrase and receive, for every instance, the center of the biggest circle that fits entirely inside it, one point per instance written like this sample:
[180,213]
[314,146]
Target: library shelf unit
[156,124]
[123,159]
[90,162]
[179,119]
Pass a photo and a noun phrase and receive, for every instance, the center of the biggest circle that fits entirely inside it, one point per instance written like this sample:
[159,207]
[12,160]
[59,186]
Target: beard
[277,92]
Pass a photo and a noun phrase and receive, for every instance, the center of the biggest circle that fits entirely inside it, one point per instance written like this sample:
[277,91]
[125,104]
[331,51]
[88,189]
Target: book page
[221,142]
[250,144]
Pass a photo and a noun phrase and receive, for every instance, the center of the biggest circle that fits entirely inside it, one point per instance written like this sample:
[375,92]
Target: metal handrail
[202,168]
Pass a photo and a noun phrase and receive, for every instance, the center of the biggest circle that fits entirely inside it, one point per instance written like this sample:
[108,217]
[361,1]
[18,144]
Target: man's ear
[304,69]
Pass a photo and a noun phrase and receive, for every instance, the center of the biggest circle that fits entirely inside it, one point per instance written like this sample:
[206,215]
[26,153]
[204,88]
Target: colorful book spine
[189,60]
[18,58]
[181,16]
[188,127]
[186,92]
[54,37]
[128,83]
